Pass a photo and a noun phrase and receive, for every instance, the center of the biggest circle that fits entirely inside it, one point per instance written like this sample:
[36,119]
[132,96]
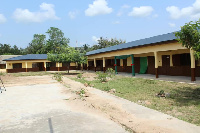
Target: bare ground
[94,102]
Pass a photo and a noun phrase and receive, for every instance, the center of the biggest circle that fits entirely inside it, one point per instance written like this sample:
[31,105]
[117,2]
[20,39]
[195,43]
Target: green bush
[80,75]
[102,76]
[110,72]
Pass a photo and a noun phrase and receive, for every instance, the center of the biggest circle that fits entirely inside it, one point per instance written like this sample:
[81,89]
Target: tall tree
[189,36]
[37,45]
[66,55]
[56,40]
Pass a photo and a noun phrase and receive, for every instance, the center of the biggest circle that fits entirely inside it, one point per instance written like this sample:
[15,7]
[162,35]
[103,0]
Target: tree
[104,42]
[56,40]
[66,55]
[37,45]
[6,49]
[189,36]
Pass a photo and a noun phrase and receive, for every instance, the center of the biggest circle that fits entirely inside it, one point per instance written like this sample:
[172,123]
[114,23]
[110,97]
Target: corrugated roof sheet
[29,57]
[3,57]
[147,41]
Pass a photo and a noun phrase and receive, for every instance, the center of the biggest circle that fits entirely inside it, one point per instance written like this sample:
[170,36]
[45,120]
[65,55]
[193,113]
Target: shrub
[110,72]
[80,75]
[102,76]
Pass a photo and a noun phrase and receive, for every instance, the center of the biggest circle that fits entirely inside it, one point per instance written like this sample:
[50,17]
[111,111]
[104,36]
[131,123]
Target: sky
[85,21]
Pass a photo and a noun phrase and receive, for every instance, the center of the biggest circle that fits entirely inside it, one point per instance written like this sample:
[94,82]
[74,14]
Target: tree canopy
[37,45]
[67,55]
[189,36]
[56,40]
[6,49]
[105,42]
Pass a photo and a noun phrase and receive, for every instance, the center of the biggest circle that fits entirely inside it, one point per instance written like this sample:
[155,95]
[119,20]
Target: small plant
[110,72]
[102,76]
[82,91]
[58,77]
[1,73]
[80,75]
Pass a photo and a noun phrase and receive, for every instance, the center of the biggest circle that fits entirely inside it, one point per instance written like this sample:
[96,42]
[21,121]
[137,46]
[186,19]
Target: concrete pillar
[95,65]
[58,66]
[156,63]
[45,66]
[104,65]
[7,67]
[26,66]
[171,60]
[82,66]
[87,64]
[193,78]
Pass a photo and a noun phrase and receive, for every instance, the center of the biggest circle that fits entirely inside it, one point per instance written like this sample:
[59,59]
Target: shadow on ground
[186,96]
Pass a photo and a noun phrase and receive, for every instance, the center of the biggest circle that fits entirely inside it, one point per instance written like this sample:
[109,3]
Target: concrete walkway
[181,79]
[42,109]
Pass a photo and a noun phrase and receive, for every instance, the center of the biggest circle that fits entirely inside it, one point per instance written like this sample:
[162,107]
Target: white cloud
[192,12]
[116,22]
[122,10]
[99,7]
[155,15]
[172,25]
[46,12]
[142,11]
[95,39]
[2,18]
[73,14]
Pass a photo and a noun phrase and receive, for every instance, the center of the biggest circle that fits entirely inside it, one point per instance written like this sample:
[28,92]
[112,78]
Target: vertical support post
[82,66]
[104,65]
[156,63]
[133,65]
[116,65]
[121,64]
[58,66]
[171,61]
[193,78]
[7,67]
[87,64]
[45,66]
[26,66]
[95,65]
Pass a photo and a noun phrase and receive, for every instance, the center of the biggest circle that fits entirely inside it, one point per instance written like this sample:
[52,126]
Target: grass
[183,101]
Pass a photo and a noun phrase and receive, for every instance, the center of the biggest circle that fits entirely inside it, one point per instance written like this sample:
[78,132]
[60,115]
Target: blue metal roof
[29,57]
[142,42]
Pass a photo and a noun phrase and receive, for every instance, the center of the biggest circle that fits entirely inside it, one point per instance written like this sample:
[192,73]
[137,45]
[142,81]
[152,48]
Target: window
[185,59]
[17,65]
[34,65]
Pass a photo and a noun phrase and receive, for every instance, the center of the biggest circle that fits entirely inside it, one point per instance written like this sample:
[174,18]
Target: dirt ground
[94,102]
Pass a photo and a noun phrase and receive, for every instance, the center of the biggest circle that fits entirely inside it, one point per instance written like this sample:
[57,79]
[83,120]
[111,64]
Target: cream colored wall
[29,64]
[58,64]
[129,61]
[121,62]
[72,64]
[9,65]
